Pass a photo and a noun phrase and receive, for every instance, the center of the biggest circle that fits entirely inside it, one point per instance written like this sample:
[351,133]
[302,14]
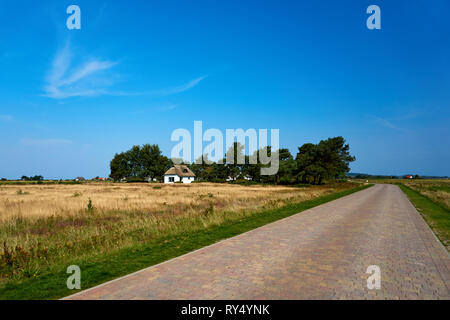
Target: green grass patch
[435,214]
[98,269]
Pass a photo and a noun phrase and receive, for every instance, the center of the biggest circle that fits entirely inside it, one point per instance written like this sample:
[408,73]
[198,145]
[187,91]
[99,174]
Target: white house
[178,173]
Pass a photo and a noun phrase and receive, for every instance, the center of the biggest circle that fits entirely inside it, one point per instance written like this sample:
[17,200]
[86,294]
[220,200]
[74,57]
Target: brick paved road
[321,253]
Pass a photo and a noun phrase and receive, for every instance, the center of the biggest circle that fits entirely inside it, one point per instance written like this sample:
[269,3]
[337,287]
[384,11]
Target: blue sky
[137,70]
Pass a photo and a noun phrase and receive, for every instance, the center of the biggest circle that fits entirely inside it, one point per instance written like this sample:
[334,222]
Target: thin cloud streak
[384,122]
[161,92]
[169,91]
[65,81]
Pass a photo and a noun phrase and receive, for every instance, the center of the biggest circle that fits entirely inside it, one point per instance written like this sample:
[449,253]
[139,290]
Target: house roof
[180,170]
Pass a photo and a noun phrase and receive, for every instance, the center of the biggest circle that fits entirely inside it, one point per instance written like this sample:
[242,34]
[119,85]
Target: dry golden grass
[41,225]
[39,201]
[436,190]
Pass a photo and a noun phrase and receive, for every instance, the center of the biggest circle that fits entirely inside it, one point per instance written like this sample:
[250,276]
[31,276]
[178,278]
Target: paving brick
[321,253]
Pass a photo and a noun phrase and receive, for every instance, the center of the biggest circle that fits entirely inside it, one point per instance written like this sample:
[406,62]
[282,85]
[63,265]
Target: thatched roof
[180,170]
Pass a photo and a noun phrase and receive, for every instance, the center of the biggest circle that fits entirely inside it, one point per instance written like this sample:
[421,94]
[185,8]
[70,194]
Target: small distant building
[178,173]
[248,178]
[80,179]
[409,177]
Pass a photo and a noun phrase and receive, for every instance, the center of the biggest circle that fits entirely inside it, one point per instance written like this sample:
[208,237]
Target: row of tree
[314,163]
[32,178]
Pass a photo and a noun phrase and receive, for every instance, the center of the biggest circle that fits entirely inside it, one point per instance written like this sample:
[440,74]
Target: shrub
[302,185]
[210,210]
[90,206]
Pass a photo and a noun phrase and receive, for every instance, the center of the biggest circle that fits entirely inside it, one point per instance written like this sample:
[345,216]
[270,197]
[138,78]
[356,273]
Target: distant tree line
[371,176]
[34,178]
[313,164]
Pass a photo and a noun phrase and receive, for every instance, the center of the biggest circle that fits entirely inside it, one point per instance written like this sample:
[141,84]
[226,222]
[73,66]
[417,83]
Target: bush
[136,180]
[90,206]
[244,182]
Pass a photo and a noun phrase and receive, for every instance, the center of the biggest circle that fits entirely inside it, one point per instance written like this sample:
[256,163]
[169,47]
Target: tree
[139,163]
[202,168]
[306,157]
[35,178]
[329,159]
[119,167]
[253,171]
[334,157]
[153,163]
[287,168]
[235,160]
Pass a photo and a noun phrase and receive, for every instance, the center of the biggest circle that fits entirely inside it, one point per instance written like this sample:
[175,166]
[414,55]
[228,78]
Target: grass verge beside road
[436,215]
[102,268]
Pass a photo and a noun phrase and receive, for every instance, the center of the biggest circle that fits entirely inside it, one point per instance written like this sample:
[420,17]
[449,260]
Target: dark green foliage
[139,164]
[35,178]
[324,161]
[90,206]
[314,163]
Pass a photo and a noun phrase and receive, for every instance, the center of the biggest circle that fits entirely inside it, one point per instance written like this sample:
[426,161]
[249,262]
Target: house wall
[188,179]
[166,178]
[177,178]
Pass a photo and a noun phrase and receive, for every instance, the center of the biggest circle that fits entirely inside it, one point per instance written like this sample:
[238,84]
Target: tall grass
[51,225]
[438,191]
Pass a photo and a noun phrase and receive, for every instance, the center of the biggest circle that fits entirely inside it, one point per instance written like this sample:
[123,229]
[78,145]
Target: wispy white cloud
[6,118]
[160,92]
[45,142]
[65,80]
[178,89]
[384,122]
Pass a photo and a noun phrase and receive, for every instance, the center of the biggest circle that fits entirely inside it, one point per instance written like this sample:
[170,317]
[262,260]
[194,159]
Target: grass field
[45,228]
[437,190]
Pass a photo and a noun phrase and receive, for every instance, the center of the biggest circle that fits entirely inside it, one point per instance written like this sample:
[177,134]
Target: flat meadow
[436,190]
[51,224]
